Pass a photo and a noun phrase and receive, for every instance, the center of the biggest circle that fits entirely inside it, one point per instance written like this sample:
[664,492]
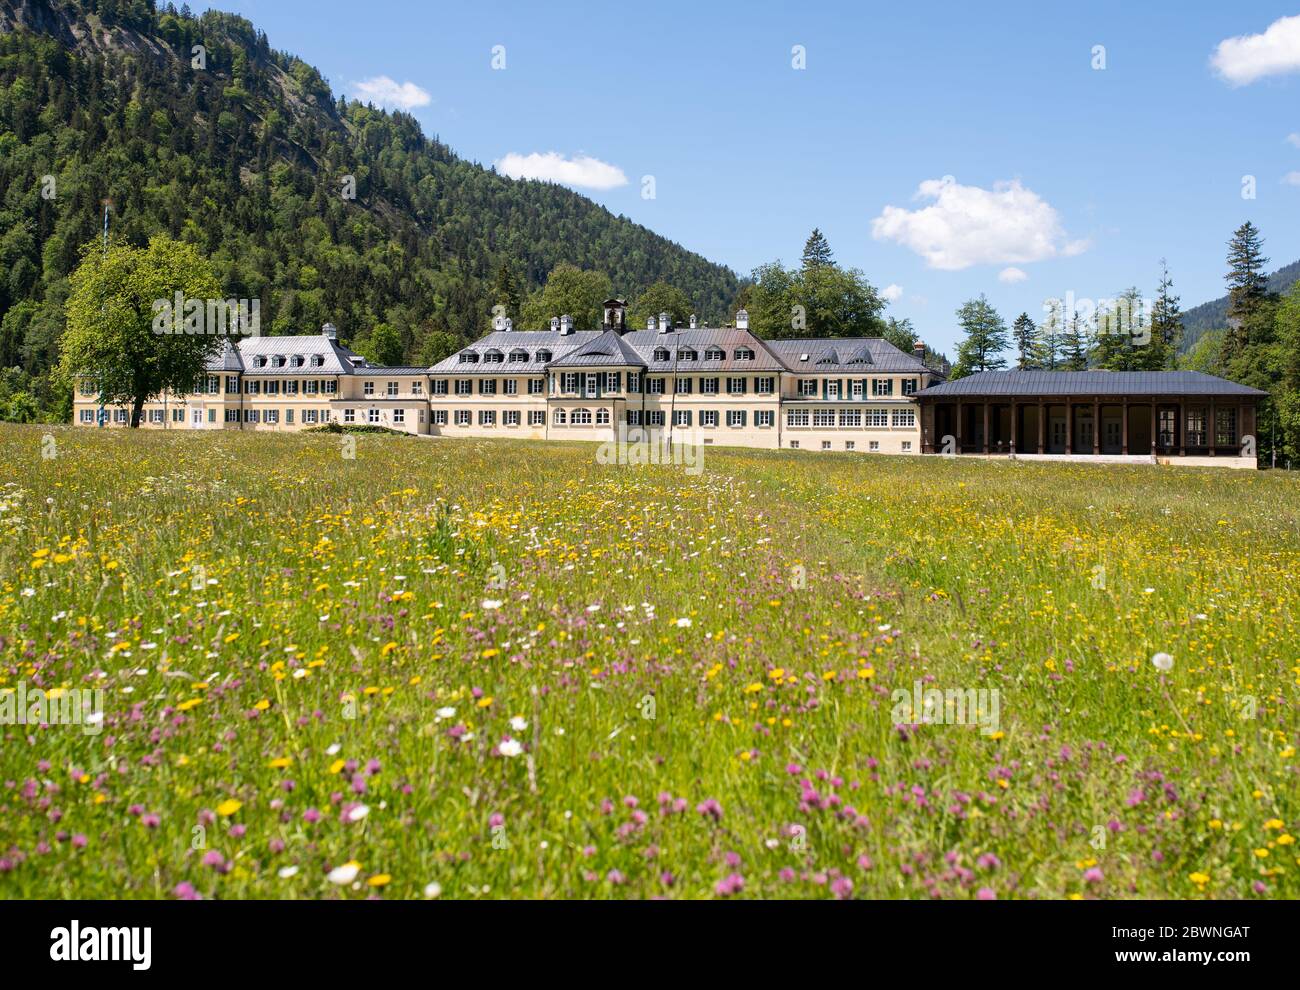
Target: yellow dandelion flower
[228,807]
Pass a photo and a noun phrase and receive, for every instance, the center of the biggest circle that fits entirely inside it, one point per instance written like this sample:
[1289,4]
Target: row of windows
[291,361]
[488,386]
[392,389]
[289,386]
[872,445]
[1225,427]
[735,418]
[710,354]
[857,388]
[488,417]
[493,356]
[850,417]
[520,356]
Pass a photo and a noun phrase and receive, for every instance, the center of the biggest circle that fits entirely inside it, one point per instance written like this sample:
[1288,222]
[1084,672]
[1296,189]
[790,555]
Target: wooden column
[1123,429]
[1069,427]
[1042,414]
[1013,426]
[1096,425]
[1181,430]
[986,426]
[1155,436]
[1212,428]
[959,419]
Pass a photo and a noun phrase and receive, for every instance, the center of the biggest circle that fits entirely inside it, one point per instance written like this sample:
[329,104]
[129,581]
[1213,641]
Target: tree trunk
[137,405]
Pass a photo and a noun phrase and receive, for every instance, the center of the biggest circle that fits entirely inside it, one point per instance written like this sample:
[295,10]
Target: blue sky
[1062,177]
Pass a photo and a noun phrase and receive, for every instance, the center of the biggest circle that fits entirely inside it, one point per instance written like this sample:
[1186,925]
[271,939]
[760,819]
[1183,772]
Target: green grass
[343,605]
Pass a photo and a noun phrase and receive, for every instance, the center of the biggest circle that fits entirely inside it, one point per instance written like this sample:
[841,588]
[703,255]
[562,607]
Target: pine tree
[986,338]
[1166,323]
[1074,345]
[1123,334]
[1247,286]
[1048,346]
[1025,334]
[817,251]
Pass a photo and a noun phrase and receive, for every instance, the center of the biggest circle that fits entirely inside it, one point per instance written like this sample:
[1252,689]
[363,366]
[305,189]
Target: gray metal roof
[824,355]
[1088,383]
[335,360]
[728,340]
[607,350]
[225,359]
[530,342]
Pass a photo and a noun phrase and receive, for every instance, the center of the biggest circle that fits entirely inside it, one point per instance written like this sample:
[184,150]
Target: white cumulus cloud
[967,225]
[1293,139]
[1249,57]
[1292,178]
[891,293]
[1010,276]
[551,166]
[385,92]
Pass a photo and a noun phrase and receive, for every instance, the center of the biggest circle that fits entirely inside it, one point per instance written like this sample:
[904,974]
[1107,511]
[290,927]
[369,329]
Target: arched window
[559,417]
[581,417]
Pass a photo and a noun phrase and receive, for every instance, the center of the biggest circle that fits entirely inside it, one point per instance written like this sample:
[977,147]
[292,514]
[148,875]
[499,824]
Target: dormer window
[468,357]
[744,354]
[493,357]
[661,354]
[685,354]
[317,361]
[714,354]
[543,356]
[297,360]
[259,362]
[278,361]
[518,355]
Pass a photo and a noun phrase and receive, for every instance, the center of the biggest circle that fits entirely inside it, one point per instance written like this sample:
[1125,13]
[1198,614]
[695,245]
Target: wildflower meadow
[269,666]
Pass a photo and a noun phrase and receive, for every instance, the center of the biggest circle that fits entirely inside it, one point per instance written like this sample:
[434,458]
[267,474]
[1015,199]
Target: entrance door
[1111,438]
[196,418]
[1056,435]
[1082,431]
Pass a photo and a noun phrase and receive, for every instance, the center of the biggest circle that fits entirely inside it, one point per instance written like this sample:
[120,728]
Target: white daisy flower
[345,874]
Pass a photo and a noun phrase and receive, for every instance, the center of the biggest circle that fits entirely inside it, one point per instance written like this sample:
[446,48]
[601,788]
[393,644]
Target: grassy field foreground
[491,669]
